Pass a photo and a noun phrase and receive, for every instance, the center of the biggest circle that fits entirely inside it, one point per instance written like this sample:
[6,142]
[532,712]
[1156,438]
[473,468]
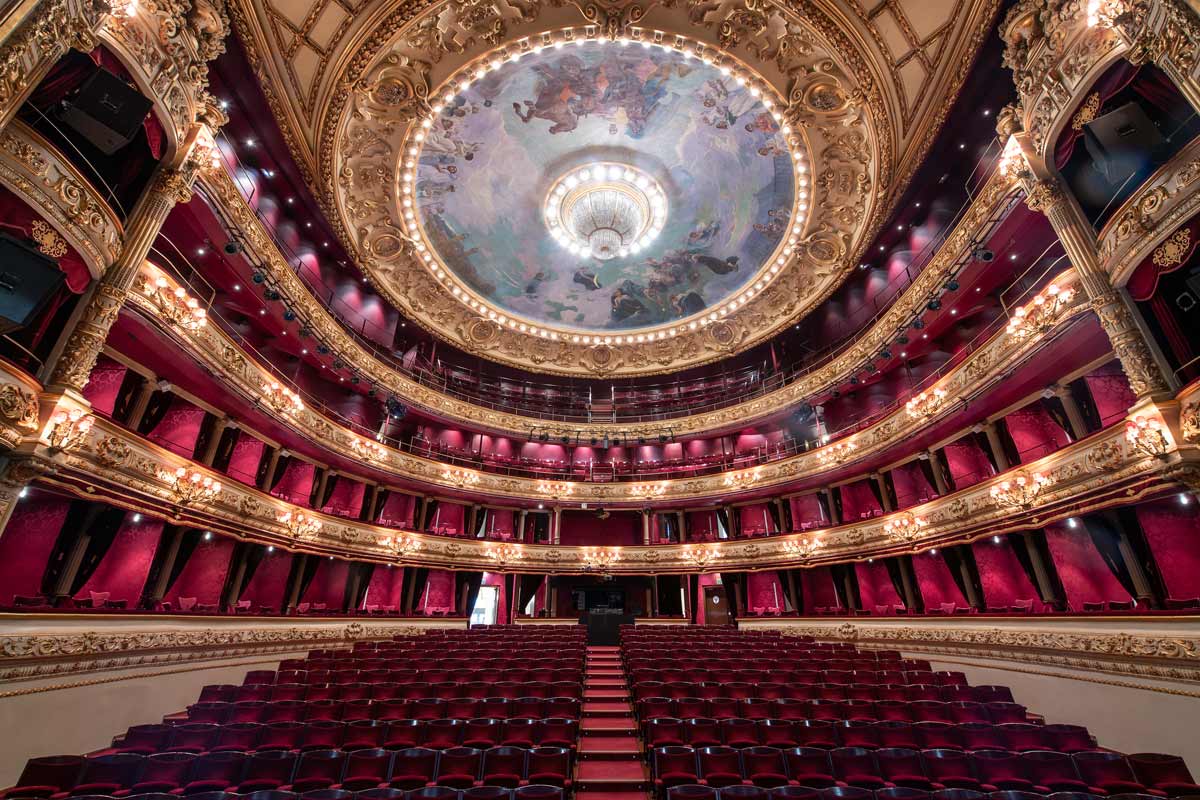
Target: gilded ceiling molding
[166,47]
[1057,49]
[1172,653]
[105,648]
[993,201]
[982,369]
[115,466]
[34,170]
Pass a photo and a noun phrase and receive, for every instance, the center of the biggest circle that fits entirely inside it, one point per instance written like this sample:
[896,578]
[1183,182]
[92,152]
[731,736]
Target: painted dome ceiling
[750,151]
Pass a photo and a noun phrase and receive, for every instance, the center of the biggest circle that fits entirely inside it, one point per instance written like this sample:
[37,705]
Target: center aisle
[610,766]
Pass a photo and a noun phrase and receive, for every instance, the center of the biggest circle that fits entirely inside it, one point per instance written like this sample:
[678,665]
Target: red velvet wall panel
[1035,433]
[247,454]
[1110,392]
[501,523]
[203,576]
[875,587]
[269,582]
[1004,582]
[397,511]
[807,513]
[818,589]
[449,519]
[438,595]
[702,526]
[385,587]
[1085,576]
[858,501]
[968,463]
[123,570]
[296,485]
[179,428]
[912,488]
[497,580]
[764,591]
[103,385]
[347,498]
[328,585]
[28,541]
[934,580]
[581,528]
[756,520]
[1172,530]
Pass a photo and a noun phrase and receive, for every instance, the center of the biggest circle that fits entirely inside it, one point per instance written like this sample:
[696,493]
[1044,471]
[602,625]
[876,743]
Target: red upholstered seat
[366,769]
[1164,773]
[765,766]
[413,768]
[809,766]
[504,766]
[674,766]
[720,766]
[459,767]
[549,765]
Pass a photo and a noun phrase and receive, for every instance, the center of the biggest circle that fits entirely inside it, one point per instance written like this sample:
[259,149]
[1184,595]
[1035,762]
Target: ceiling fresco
[488,163]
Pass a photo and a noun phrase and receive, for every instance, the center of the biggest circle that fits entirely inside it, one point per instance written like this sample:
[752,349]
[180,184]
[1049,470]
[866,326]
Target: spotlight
[271,295]
[641,440]
[981,253]
[304,332]
[566,440]
[836,394]
[1185,499]
[258,277]
[270,548]
[885,354]
[593,441]
[338,363]
[545,437]
[918,323]
[23,493]
[854,381]
[952,285]
[662,438]
[1072,522]
[322,349]
[289,315]
[934,304]
[996,540]
[232,248]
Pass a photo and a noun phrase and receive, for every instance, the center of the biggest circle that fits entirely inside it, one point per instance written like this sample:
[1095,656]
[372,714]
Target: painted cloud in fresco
[493,154]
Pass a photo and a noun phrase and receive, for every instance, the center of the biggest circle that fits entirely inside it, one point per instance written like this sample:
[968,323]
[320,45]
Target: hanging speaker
[1122,142]
[28,279]
[106,111]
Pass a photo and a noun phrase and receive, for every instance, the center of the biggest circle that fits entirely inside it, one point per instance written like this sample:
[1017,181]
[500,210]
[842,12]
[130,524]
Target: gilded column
[1130,343]
[171,186]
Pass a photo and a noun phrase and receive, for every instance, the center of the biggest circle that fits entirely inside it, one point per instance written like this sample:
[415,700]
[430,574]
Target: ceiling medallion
[600,192]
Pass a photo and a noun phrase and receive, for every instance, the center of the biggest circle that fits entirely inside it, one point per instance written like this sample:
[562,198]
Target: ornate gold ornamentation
[926,404]
[1040,314]
[400,545]
[282,399]
[838,452]
[1087,112]
[48,240]
[803,548]
[302,527]
[1021,491]
[700,556]
[600,560]
[906,529]
[190,486]
[174,304]
[505,555]
[368,449]
[69,429]
[1172,252]
[743,479]
[461,478]
[18,407]
[1146,435]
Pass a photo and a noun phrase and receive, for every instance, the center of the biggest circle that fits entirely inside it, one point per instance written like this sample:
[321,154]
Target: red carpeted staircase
[610,766]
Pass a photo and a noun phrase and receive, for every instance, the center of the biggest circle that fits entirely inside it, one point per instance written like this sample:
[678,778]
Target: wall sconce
[300,525]
[837,452]
[555,489]
[1040,314]
[648,491]
[282,399]
[505,554]
[175,305]
[192,486]
[1145,435]
[926,404]
[68,429]
[600,559]
[803,548]
[366,448]
[1021,491]
[906,528]
[401,546]
[744,479]
[701,557]
[461,477]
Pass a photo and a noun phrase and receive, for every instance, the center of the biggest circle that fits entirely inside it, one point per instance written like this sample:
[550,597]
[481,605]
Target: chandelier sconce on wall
[906,529]
[744,479]
[174,304]
[926,404]
[68,429]
[648,491]
[701,557]
[555,490]
[1040,314]
[400,546]
[301,526]
[1147,435]
[461,478]
[1021,491]
[803,548]
[838,452]
[505,554]
[368,449]
[282,399]
[601,559]
[191,486]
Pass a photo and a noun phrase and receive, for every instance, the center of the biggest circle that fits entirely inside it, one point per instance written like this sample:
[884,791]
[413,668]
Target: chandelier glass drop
[605,210]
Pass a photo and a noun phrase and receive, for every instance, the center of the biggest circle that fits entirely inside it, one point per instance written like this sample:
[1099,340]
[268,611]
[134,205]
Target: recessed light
[224,104]
[200,251]
[987,112]
[207,536]
[1185,499]
[249,143]
[137,517]
[954,312]
[270,548]
[996,539]
[308,224]
[237,287]
[962,146]
[1012,257]
[262,312]
[1072,522]
[291,200]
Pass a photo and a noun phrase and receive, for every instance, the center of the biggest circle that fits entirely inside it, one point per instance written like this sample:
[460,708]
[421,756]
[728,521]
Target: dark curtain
[131,383]
[103,532]
[281,469]
[670,600]
[229,440]
[944,465]
[823,502]
[527,587]
[845,581]
[207,426]
[156,563]
[732,581]
[471,580]
[254,556]
[1105,530]
[187,546]
[874,486]
[414,584]
[981,441]
[793,579]
[330,485]
[1087,404]
[788,524]
[160,403]
[380,500]
[723,523]
[1020,545]
[926,465]
[835,497]
[1054,408]
[510,585]
[1116,78]
[264,463]
[310,571]
[431,505]
[893,571]
[693,599]
[1006,442]
[773,508]
[365,573]
[240,551]
[960,559]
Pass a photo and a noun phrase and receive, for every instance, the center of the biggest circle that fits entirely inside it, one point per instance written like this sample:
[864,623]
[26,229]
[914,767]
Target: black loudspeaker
[28,279]
[1122,142]
[106,111]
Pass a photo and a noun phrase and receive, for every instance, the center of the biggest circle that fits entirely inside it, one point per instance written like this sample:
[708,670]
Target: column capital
[1045,195]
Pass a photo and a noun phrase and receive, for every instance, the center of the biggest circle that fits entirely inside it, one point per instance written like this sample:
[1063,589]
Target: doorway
[716,606]
[486,606]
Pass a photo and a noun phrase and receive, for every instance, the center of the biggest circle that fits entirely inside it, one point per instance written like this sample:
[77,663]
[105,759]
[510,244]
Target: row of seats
[822,692]
[121,774]
[208,737]
[533,791]
[382,708]
[862,710]
[1097,772]
[828,734]
[552,671]
[695,791]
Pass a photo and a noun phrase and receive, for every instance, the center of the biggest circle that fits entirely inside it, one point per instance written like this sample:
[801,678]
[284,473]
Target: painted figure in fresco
[625,302]
[587,279]
[565,91]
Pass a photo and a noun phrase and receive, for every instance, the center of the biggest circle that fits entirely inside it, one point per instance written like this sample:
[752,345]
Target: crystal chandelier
[605,211]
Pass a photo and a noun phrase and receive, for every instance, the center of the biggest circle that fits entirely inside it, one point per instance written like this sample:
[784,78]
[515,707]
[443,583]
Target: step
[610,748]
[605,694]
[602,794]
[602,683]
[592,726]
[605,708]
[609,775]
